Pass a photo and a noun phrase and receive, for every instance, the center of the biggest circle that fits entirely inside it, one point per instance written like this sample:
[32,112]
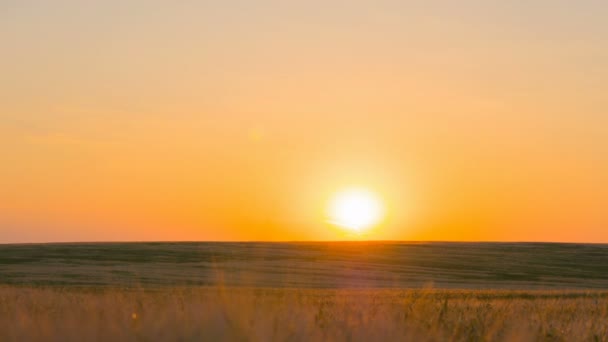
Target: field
[368,291]
[313,265]
[204,313]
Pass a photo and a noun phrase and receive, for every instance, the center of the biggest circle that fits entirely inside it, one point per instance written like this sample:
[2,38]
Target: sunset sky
[239,120]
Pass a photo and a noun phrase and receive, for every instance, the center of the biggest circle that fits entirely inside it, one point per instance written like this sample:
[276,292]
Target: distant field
[219,313]
[308,265]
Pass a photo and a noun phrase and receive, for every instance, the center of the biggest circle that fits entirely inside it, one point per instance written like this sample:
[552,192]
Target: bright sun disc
[355,210]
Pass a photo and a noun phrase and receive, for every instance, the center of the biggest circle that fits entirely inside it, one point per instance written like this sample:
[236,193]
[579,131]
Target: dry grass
[185,314]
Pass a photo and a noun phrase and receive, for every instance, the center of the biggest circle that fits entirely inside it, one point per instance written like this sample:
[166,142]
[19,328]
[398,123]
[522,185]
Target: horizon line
[302,241]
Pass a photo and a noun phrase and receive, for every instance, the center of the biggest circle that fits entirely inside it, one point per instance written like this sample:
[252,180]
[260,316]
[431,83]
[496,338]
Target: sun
[355,210]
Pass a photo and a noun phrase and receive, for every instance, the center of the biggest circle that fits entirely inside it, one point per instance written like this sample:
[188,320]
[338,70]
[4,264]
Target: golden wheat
[192,314]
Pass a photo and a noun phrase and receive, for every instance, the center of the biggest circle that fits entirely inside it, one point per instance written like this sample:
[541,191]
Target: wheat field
[245,314]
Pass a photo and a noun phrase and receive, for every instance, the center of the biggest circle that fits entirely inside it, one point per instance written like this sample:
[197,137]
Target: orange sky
[238,120]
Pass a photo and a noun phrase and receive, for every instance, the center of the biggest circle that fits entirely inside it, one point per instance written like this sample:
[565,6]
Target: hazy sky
[214,120]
